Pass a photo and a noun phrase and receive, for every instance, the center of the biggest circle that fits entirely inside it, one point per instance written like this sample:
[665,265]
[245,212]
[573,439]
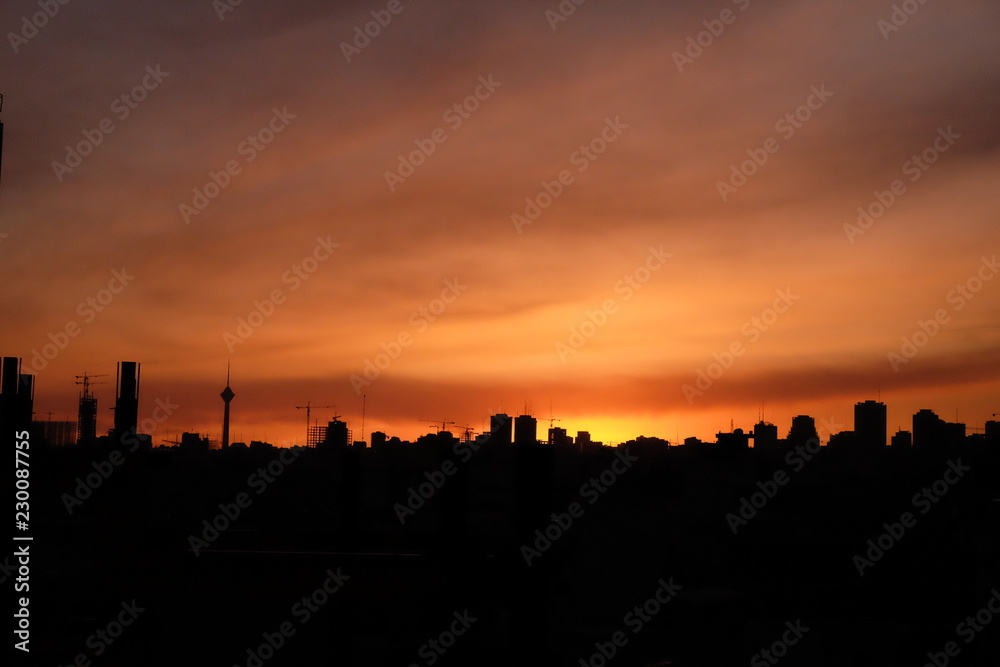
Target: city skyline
[654,220]
[869,421]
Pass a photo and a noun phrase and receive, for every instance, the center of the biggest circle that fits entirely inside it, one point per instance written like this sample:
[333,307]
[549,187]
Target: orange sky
[638,238]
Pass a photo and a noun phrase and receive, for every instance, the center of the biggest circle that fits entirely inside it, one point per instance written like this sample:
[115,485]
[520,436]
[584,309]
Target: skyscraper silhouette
[928,429]
[765,435]
[802,431]
[525,430]
[500,429]
[127,399]
[16,395]
[869,424]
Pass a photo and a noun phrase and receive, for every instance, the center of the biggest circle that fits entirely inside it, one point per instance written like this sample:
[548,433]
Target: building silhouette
[86,432]
[737,439]
[932,432]
[558,437]
[765,435]
[337,435]
[902,439]
[869,424]
[993,432]
[16,395]
[802,431]
[500,429]
[525,430]
[126,400]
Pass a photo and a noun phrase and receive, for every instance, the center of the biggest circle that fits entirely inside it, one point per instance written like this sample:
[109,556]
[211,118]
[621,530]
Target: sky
[633,217]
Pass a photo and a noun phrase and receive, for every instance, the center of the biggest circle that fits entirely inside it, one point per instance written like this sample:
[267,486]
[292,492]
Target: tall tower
[227,396]
[127,399]
[17,395]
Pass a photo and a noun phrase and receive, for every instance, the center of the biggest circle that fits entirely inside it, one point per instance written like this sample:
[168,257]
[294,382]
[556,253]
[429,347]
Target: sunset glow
[486,209]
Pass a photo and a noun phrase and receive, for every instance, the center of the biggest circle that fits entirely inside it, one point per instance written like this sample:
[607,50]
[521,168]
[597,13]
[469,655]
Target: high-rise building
[16,396]
[869,424]
[802,431]
[929,430]
[127,400]
[902,439]
[525,430]
[765,435]
[558,437]
[337,435]
[25,397]
[86,432]
[501,427]
[993,432]
[227,396]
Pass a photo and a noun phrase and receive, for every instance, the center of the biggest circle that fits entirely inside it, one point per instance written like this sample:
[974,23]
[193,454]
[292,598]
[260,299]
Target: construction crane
[438,421]
[308,408]
[85,381]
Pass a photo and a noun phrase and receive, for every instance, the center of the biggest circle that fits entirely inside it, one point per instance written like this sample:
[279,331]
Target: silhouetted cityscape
[869,433]
[504,547]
